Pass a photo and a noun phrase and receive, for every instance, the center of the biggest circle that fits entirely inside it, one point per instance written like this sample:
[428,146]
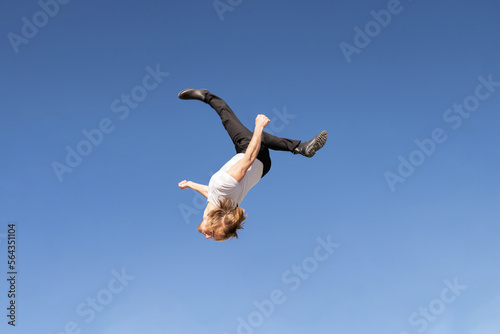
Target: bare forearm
[239,170]
[254,145]
[201,188]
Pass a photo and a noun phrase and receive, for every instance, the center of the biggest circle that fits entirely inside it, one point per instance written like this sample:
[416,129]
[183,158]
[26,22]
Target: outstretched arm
[201,188]
[239,169]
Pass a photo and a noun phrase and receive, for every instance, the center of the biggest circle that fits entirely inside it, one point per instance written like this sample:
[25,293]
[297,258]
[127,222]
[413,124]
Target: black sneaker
[309,148]
[193,94]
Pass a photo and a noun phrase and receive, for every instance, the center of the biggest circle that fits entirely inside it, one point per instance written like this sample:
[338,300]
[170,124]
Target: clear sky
[391,228]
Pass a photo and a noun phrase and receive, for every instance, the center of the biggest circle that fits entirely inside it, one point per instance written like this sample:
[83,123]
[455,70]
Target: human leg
[307,149]
[240,135]
[279,144]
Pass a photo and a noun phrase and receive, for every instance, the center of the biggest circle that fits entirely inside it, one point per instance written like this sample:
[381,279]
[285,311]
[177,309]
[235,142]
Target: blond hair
[226,220]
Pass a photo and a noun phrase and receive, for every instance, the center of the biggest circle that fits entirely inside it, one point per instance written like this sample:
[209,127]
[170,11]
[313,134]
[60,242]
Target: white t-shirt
[222,185]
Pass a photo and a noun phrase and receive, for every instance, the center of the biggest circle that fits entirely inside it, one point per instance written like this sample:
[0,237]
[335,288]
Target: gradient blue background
[121,207]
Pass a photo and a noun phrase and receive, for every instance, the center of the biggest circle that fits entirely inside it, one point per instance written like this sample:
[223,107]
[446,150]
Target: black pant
[241,136]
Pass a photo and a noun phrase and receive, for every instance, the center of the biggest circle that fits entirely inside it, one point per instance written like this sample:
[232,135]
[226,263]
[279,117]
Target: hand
[185,184]
[261,121]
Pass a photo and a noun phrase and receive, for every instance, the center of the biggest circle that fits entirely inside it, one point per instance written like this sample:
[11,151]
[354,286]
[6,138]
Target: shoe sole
[186,94]
[181,93]
[318,142]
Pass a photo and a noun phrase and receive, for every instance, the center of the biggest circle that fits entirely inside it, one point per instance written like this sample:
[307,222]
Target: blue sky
[391,228]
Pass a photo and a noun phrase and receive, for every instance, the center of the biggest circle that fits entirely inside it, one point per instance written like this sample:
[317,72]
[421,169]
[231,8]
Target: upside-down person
[223,217]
